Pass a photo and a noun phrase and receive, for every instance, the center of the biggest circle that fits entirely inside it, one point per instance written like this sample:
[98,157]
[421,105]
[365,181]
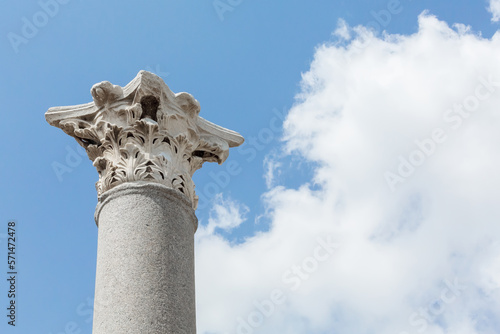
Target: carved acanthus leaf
[144,132]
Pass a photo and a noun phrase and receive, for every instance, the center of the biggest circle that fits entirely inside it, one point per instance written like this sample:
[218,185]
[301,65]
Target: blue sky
[251,68]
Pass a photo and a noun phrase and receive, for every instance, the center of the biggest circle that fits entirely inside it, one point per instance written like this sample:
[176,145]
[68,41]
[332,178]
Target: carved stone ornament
[144,132]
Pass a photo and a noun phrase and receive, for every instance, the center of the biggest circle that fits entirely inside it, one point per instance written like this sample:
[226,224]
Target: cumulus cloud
[494,9]
[397,231]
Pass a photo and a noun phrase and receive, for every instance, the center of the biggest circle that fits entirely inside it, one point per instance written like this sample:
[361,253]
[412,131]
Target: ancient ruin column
[146,142]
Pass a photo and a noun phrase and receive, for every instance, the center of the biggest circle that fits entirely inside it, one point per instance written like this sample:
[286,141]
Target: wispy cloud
[494,9]
[226,214]
[272,169]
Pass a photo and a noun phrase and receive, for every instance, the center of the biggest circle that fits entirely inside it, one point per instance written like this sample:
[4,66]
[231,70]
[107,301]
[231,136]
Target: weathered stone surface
[145,261]
[144,132]
[146,142]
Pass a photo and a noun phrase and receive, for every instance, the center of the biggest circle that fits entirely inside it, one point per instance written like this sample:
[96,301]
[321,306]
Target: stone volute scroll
[144,132]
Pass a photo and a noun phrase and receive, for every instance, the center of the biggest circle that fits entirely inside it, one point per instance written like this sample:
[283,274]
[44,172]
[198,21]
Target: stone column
[146,142]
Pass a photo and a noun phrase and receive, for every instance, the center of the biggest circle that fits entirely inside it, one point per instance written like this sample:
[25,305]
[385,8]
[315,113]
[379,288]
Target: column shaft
[145,261]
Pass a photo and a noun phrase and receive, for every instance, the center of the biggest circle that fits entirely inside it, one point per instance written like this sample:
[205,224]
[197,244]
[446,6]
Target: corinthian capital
[144,132]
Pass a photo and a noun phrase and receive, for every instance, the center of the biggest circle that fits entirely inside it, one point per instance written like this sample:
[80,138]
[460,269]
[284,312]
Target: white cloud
[494,9]
[226,214]
[272,170]
[343,30]
[363,109]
